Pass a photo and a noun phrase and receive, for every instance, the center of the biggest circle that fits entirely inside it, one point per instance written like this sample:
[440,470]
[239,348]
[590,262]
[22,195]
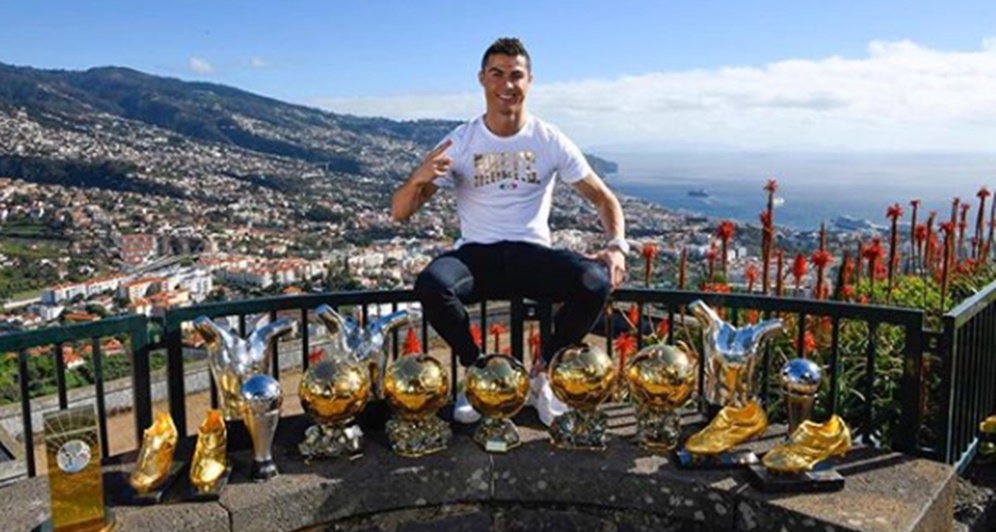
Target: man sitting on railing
[501,166]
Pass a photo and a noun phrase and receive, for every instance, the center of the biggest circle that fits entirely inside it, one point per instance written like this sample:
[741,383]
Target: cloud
[199,66]
[898,96]
[258,62]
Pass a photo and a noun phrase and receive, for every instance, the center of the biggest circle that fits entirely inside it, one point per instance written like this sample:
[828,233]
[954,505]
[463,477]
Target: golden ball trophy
[800,462]
[583,377]
[497,387]
[661,378]
[731,355]
[416,387]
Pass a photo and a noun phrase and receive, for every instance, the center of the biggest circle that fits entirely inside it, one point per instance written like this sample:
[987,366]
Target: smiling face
[506,80]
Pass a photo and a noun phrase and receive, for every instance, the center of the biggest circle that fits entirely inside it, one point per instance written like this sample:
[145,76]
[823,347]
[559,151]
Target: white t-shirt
[504,185]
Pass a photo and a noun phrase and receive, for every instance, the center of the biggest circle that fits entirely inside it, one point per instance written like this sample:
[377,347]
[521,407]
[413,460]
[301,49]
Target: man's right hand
[435,165]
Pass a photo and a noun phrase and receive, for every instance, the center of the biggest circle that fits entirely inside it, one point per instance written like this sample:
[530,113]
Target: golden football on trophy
[661,378]
[416,387]
[497,387]
[332,392]
[581,376]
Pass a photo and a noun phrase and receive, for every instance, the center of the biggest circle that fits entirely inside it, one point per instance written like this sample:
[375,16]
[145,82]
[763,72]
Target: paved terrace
[531,488]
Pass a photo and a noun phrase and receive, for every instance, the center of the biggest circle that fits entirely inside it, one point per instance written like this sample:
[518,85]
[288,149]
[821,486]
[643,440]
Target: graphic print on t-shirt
[507,168]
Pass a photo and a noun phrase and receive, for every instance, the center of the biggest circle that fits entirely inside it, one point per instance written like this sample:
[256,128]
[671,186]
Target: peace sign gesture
[435,164]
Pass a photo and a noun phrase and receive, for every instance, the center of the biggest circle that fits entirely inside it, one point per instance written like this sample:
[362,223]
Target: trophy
[731,356]
[497,387]
[261,402]
[799,463]
[233,360]
[416,387]
[75,481]
[155,468]
[661,378]
[800,381]
[336,389]
[581,376]
[987,439]
[209,469]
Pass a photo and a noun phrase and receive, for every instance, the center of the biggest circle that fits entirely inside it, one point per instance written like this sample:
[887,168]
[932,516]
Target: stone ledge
[884,491]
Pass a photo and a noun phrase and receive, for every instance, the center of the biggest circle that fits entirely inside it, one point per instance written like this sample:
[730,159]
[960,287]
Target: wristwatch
[619,243]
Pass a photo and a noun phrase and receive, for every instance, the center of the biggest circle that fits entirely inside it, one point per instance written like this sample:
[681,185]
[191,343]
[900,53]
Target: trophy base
[418,437]
[213,494]
[727,460]
[332,441]
[580,431]
[263,470]
[497,435]
[658,432]
[129,496]
[821,478]
[105,525]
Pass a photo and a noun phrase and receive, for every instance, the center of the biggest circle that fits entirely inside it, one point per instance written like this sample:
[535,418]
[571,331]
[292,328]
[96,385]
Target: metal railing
[966,391]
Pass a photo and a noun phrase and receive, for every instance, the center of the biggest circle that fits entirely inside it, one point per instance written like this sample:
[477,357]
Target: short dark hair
[506,46]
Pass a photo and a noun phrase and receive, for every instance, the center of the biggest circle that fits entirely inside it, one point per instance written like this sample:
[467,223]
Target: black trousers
[477,272]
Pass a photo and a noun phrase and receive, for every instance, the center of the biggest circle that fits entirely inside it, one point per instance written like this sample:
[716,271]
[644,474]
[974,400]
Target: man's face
[506,80]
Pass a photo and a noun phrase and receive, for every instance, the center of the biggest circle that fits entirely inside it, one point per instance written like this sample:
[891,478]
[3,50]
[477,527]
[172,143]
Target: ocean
[815,187]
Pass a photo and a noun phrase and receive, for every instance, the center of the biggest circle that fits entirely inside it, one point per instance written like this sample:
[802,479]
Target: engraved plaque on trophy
[72,450]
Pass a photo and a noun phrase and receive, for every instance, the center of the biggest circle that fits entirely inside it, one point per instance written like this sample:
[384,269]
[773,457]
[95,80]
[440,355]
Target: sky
[624,75]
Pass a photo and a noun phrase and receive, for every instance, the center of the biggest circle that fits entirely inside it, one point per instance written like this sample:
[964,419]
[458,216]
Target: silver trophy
[800,382]
[261,403]
[731,355]
[233,360]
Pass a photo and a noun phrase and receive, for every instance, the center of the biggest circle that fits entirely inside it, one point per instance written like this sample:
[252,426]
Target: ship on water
[698,193]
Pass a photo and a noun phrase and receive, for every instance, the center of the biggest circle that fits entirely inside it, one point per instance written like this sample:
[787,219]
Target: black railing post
[141,378]
[305,340]
[29,435]
[98,383]
[60,376]
[910,416]
[516,316]
[174,373]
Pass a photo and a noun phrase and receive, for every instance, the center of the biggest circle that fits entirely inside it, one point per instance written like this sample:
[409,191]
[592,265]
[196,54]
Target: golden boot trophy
[661,378]
[497,387]
[209,469]
[416,387]
[731,355]
[155,468]
[583,377]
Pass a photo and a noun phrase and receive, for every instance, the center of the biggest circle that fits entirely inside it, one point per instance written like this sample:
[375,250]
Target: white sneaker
[547,405]
[463,411]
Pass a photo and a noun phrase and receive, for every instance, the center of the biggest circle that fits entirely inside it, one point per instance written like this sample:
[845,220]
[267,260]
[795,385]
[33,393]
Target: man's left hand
[615,261]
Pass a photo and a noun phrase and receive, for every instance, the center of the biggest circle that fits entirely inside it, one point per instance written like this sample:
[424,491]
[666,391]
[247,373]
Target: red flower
[983,193]
[948,228]
[847,292]
[751,273]
[874,251]
[717,288]
[799,268]
[412,345]
[920,233]
[633,316]
[821,259]
[534,347]
[771,186]
[808,344]
[649,251]
[497,330]
[725,231]
[663,328]
[475,333]
[625,345]
[894,211]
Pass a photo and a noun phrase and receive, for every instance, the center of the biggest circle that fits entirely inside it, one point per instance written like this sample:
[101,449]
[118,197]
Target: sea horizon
[815,187]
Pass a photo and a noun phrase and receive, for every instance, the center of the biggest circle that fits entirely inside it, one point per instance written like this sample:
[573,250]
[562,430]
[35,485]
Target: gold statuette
[155,459]
[583,377]
[810,444]
[416,387]
[731,427]
[661,378]
[208,469]
[497,387]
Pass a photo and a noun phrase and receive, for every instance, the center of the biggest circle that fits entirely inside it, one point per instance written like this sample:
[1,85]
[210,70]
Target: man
[501,167]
